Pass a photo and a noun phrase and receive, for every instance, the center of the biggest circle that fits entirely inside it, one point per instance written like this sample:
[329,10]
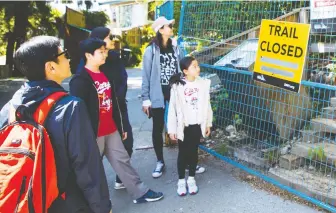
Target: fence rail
[166,10]
[287,138]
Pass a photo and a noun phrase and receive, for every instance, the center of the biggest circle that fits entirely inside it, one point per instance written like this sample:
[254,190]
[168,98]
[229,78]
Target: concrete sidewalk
[219,191]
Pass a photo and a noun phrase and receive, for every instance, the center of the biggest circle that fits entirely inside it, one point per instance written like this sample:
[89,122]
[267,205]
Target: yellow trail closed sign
[282,49]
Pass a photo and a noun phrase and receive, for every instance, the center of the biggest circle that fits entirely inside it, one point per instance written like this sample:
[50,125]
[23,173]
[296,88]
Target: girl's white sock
[181,180]
[191,178]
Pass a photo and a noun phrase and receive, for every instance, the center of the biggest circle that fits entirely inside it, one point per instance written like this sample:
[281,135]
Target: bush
[135,57]
[95,19]
[147,35]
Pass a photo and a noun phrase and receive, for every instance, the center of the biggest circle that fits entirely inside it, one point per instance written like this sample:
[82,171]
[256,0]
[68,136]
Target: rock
[249,177]
[311,168]
[213,134]
[285,150]
[290,162]
[230,129]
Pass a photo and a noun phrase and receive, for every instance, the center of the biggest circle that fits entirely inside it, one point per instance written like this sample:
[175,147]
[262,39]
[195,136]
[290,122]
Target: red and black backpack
[28,179]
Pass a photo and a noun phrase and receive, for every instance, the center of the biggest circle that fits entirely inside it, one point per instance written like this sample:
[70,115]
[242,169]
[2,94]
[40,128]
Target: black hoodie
[80,172]
[82,86]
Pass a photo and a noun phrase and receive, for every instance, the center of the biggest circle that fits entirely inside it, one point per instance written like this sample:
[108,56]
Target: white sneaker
[158,170]
[199,169]
[119,186]
[181,187]
[192,187]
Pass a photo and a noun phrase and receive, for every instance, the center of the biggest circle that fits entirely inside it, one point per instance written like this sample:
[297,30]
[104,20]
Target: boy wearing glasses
[80,172]
[98,92]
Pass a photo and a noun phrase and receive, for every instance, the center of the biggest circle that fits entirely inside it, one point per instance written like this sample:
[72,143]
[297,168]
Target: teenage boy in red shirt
[96,88]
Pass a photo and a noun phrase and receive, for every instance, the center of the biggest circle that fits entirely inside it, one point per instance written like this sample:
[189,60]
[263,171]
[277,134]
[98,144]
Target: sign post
[75,18]
[281,54]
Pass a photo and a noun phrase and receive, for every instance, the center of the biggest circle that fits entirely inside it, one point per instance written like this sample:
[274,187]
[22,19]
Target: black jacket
[80,172]
[82,86]
[116,67]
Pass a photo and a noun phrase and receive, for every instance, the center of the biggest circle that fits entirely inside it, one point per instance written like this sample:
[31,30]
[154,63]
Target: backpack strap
[42,112]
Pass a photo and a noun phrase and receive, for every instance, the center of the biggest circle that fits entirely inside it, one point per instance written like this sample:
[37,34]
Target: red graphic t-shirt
[104,90]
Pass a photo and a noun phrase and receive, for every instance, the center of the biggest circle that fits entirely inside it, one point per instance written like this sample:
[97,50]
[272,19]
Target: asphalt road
[219,191]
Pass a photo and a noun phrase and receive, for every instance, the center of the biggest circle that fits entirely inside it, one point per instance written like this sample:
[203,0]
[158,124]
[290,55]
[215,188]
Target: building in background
[78,5]
[125,14]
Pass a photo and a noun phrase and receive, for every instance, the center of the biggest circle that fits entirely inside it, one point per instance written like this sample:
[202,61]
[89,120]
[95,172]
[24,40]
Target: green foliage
[237,120]
[222,149]
[95,19]
[21,21]
[41,21]
[272,156]
[136,57]
[317,153]
[147,34]
[42,24]
[307,126]
[217,100]
[177,13]
[4,26]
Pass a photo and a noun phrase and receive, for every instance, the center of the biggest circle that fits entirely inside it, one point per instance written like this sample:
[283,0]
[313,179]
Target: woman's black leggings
[158,125]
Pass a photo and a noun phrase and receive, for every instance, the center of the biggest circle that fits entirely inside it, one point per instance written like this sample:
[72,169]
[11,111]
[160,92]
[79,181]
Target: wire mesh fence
[290,137]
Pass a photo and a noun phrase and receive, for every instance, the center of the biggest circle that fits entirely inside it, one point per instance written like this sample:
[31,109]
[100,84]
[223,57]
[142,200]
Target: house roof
[117,2]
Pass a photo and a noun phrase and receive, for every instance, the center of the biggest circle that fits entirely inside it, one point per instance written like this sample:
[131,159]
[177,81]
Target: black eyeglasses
[170,26]
[65,53]
[112,37]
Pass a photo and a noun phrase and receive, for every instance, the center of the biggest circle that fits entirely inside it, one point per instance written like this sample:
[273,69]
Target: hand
[173,137]
[207,131]
[124,136]
[145,109]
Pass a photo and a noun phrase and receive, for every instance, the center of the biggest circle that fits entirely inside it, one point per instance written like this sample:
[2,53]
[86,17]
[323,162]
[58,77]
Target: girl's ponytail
[176,79]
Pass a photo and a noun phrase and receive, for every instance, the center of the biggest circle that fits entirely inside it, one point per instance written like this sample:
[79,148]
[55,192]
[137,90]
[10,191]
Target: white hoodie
[177,108]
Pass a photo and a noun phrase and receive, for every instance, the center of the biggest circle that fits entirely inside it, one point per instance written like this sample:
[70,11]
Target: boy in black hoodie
[115,70]
[97,90]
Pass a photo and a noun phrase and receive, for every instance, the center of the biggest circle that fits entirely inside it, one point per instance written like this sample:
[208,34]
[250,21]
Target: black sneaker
[150,196]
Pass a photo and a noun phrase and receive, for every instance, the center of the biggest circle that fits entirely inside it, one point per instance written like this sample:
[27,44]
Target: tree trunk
[18,35]
[10,51]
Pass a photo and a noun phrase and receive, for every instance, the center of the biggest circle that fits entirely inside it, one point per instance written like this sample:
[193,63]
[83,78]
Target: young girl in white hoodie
[189,118]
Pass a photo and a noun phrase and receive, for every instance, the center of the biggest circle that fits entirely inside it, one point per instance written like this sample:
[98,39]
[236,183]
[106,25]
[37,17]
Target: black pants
[158,124]
[128,143]
[188,150]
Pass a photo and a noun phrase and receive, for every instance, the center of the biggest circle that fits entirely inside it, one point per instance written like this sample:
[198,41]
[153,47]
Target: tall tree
[95,19]
[88,4]
[20,12]
[22,20]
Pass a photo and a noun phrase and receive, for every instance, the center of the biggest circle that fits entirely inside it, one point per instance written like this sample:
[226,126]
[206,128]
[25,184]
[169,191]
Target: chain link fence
[286,137]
